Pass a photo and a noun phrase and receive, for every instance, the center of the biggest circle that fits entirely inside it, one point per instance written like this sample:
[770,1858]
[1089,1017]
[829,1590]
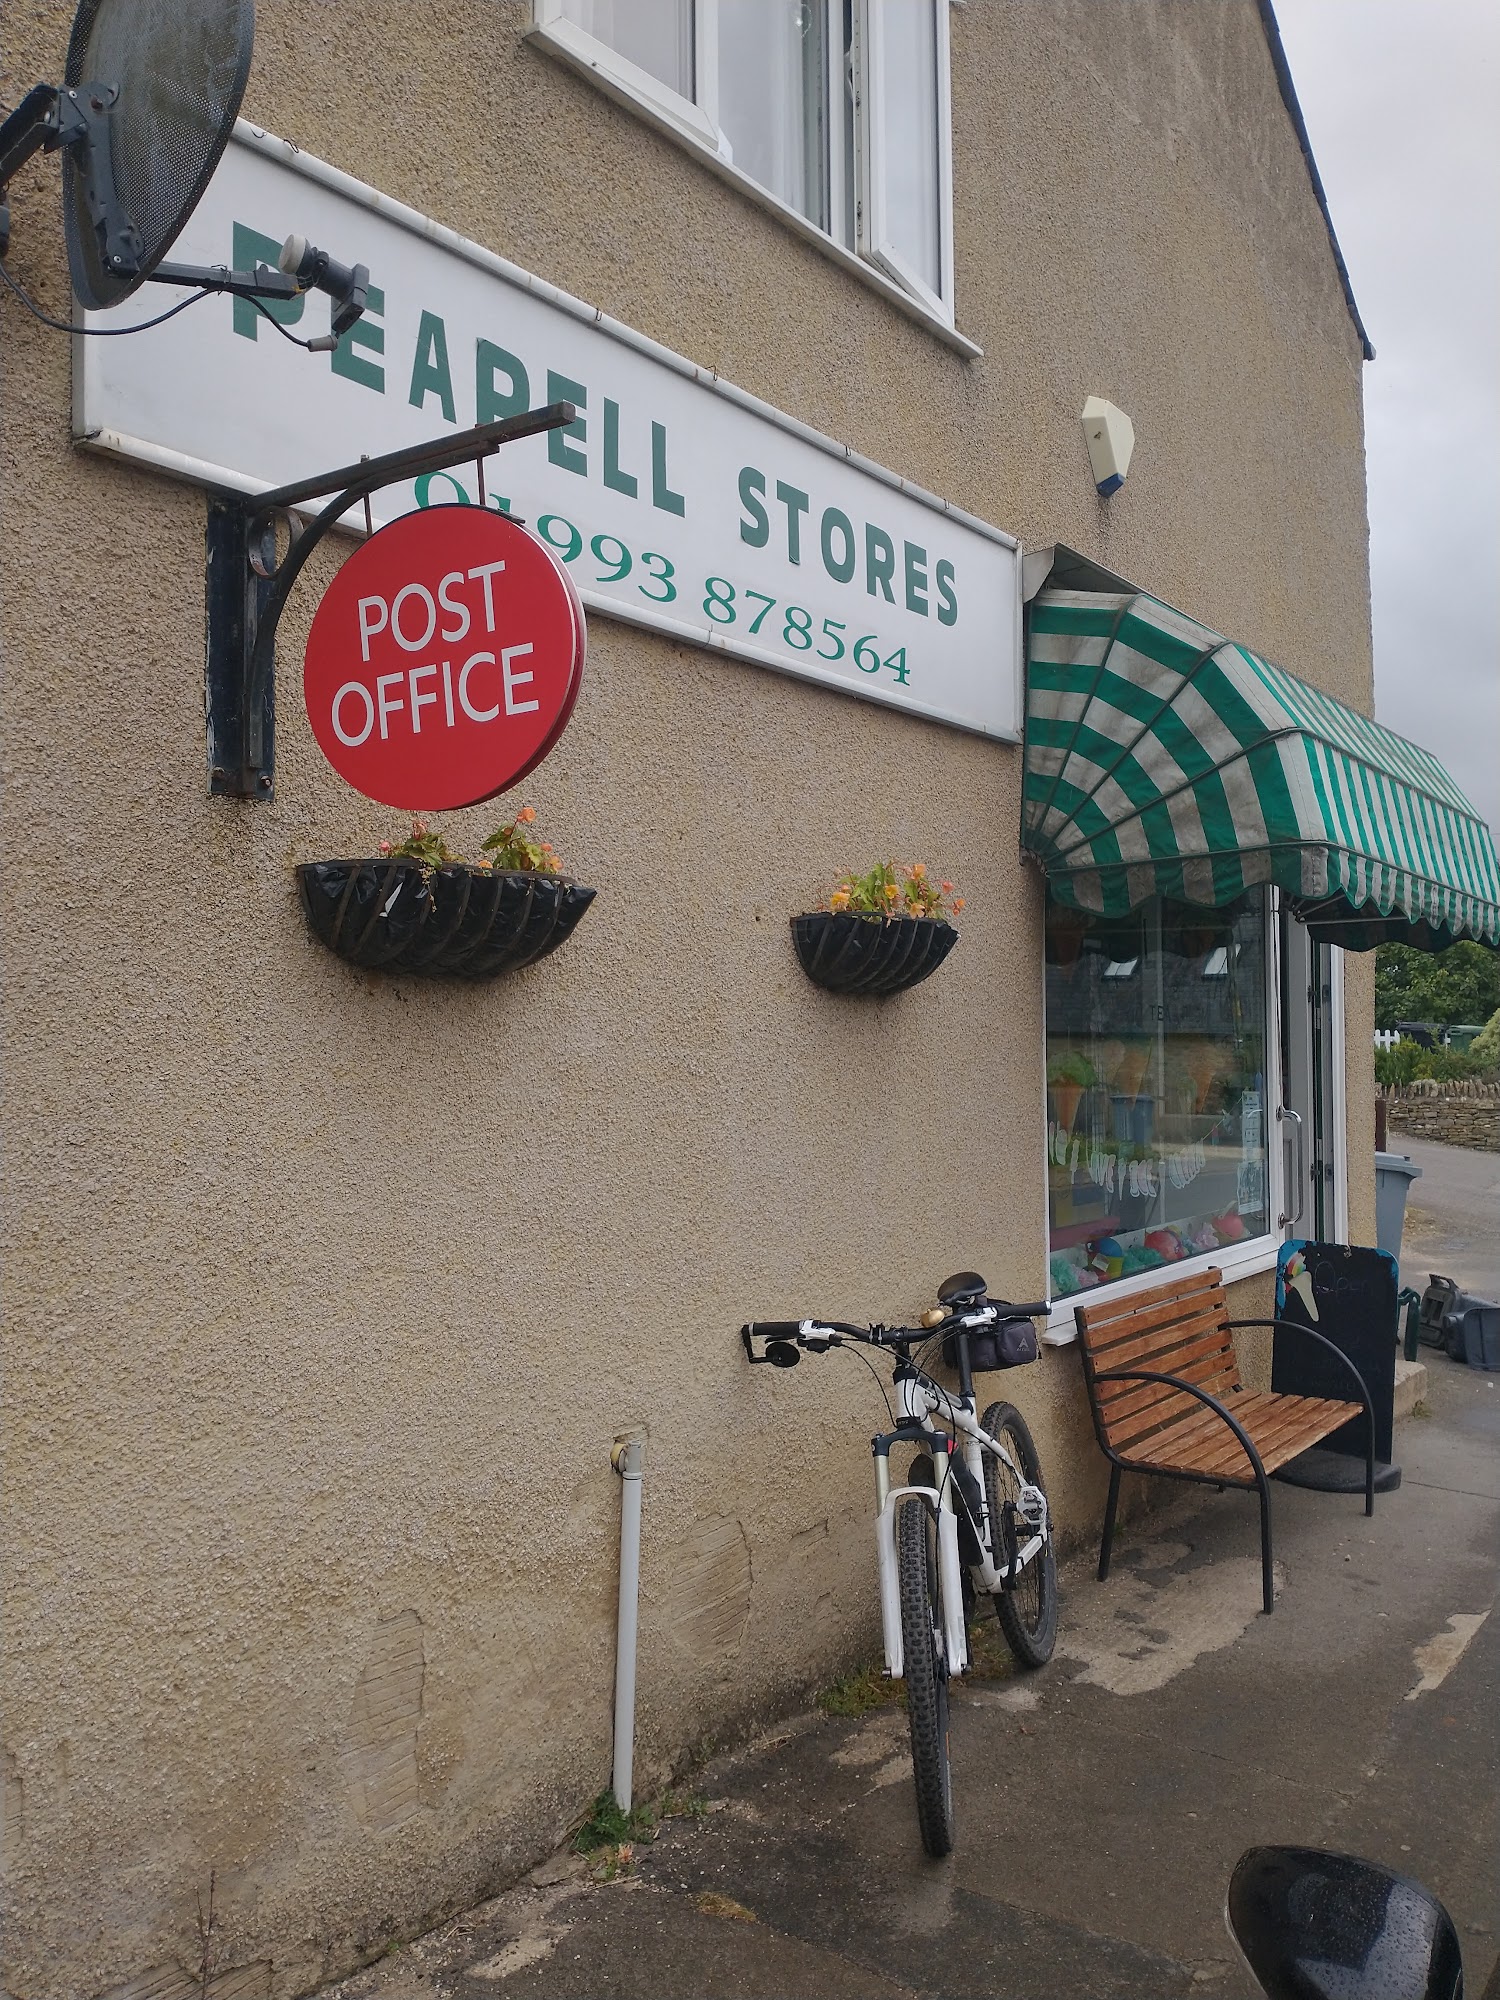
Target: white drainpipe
[628,1459]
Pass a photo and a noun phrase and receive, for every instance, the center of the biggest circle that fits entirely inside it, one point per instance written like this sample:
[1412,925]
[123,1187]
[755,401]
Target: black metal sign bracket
[249,579]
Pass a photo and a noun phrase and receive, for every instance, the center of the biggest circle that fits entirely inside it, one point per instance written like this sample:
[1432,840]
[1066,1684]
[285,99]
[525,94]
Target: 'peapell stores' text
[773,512]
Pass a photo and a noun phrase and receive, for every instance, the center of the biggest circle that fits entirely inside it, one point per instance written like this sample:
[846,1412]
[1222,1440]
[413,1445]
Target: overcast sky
[1402,103]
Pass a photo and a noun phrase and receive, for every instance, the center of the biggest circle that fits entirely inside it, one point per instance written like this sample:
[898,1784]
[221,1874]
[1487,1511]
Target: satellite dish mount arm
[45,121]
[50,120]
[248,585]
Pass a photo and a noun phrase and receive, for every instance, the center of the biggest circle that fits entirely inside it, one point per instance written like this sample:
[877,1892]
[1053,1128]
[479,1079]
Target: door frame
[1311,1048]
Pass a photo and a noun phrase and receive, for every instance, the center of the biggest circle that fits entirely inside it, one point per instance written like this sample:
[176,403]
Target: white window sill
[868,274]
[1236,1261]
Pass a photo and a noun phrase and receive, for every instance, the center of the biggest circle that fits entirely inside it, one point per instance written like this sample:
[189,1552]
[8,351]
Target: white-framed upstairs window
[836,109]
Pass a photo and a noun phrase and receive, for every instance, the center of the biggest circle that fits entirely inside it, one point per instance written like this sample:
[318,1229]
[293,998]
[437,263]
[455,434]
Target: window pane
[656,35]
[1156,1128]
[773,97]
[909,163]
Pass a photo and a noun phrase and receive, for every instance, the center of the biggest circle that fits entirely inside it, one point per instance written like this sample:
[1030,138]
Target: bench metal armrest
[1188,1389]
[1311,1333]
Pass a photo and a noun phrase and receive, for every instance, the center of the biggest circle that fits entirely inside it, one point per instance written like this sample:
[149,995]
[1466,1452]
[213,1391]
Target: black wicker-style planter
[875,955]
[397,916]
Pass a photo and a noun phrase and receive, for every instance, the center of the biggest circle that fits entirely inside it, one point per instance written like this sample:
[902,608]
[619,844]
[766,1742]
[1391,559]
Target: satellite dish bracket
[47,120]
[249,582]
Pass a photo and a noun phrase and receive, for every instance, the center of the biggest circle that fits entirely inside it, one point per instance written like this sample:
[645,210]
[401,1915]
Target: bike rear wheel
[925,1672]
[1028,1612]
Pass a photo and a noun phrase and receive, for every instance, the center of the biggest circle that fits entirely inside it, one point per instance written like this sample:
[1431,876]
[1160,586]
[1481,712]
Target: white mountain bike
[971,1517]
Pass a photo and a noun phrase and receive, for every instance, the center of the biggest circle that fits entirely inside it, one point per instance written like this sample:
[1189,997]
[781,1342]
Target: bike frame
[922,1401]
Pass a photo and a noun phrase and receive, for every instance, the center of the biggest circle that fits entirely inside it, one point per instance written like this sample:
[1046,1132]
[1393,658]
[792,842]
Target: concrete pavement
[1103,1801]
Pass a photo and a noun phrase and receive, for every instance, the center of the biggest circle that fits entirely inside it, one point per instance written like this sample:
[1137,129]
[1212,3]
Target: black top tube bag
[1009,1343]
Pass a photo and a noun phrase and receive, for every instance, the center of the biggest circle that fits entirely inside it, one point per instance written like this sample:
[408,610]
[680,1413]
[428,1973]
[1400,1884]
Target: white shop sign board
[679,502]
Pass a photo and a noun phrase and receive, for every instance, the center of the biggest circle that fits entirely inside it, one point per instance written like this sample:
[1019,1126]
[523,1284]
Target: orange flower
[958,903]
[947,888]
[891,892]
[919,869]
[526,815]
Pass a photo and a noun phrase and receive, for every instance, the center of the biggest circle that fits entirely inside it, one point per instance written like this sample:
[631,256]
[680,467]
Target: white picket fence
[1386,1038]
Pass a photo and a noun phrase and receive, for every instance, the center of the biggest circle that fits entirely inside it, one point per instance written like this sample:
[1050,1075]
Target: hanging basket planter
[875,955]
[396,915]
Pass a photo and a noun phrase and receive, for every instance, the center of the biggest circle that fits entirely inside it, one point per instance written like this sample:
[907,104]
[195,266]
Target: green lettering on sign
[661,493]
[620,482]
[916,578]
[947,595]
[560,389]
[363,333]
[836,522]
[756,529]
[491,403]
[430,375]
[880,562]
[796,503]
[249,249]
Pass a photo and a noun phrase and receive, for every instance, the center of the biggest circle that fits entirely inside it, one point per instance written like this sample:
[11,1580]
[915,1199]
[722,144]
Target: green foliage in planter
[509,850]
[878,893]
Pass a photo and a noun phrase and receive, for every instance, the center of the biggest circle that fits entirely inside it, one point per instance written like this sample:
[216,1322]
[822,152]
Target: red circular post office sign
[445,659]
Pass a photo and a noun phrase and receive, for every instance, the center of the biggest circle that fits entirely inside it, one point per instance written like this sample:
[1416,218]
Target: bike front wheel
[926,1673]
[1028,1611]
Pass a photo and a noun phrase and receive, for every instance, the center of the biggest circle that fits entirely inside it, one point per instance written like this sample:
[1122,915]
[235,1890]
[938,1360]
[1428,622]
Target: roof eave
[1294,111]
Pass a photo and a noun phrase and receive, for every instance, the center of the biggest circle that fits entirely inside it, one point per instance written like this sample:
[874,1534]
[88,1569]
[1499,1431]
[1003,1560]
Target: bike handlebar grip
[773,1329]
[1036,1310]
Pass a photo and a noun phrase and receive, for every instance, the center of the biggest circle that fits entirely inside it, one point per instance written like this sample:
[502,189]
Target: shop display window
[1156,1087]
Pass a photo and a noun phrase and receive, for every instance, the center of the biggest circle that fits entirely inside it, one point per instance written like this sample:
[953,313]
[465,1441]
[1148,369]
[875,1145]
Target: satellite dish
[160,83]
[149,98]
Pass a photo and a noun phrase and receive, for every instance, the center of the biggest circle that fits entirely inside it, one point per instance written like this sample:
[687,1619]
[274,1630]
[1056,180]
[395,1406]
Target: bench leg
[1267,1579]
[1109,1521]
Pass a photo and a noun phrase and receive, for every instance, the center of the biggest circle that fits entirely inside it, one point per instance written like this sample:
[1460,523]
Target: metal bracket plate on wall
[247,586]
[235,598]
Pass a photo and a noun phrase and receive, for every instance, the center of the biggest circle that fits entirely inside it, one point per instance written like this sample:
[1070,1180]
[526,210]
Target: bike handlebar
[809,1331]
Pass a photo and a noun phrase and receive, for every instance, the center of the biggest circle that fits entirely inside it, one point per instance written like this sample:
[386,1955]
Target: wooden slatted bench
[1167,1398]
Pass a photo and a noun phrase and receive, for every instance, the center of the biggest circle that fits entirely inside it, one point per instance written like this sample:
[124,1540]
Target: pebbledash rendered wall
[327,1293]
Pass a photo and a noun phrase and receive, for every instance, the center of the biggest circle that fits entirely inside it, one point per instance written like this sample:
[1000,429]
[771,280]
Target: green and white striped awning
[1163,760]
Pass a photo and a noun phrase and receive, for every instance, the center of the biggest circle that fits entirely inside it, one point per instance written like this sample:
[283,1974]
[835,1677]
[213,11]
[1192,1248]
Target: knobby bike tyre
[926,1681]
[1028,1613]
[920,1473]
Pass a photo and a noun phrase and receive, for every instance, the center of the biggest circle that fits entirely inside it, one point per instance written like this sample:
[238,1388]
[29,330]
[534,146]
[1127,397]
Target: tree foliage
[1459,984]
[1406,1061]
[1485,1048]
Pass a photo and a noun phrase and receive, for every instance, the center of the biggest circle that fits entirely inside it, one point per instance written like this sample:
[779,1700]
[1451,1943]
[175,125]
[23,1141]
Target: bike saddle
[964,1288]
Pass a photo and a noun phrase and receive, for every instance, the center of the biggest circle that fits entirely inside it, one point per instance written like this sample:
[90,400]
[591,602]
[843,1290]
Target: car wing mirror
[1320,1926]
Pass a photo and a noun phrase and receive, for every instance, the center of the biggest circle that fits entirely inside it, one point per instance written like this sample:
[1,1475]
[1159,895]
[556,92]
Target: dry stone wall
[1464,1113]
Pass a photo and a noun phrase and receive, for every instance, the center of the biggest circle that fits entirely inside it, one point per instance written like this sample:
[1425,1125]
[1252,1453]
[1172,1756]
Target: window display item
[1156,1039]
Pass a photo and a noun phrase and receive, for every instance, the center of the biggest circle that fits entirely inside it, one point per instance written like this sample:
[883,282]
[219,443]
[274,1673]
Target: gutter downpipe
[628,1459]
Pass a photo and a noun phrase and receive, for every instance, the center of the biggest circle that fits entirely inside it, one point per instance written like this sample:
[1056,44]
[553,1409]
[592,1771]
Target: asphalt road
[1452,1216]
[1103,1801]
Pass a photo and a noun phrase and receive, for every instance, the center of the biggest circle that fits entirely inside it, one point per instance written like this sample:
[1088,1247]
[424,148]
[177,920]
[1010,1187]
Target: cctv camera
[1110,437]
